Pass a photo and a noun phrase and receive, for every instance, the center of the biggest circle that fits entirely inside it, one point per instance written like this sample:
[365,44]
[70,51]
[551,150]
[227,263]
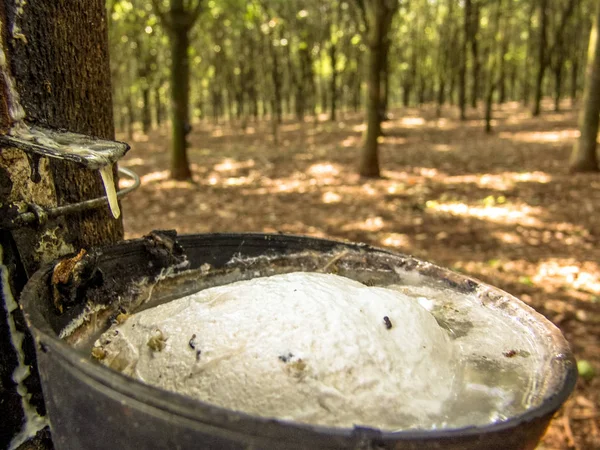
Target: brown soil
[501,207]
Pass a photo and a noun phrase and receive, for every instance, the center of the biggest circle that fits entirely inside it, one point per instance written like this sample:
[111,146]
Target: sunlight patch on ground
[516,214]
[350,141]
[369,224]
[395,140]
[133,162]
[396,240]
[286,185]
[502,181]
[369,190]
[443,147]
[125,183]
[239,181]
[541,136]
[138,136]
[518,117]
[229,165]
[412,122]
[410,178]
[444,123]
[331,197]
[324,170]
[507,238]
[567,273]
[154,177]
[427,172]
[359,128]
[290,127]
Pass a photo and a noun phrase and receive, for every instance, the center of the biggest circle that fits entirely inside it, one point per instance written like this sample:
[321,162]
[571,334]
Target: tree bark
[379,15]
[462,74]
[369,164]
[542,60]
[557,84]
[385,79]
[178,21]
[158,106]
[583,156]
[474,29]
[130,114]
[528,47]
[180,87]
[146,114]
[64,82]
[574,76]
[60,64]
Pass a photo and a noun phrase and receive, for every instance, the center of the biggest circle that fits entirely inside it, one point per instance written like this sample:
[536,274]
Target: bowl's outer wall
[87,413]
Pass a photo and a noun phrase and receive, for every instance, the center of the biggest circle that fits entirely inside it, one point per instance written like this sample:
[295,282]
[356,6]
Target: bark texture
[542,60]
[59,59]
[180,87]
[378,15]
[63,77]
[584,157]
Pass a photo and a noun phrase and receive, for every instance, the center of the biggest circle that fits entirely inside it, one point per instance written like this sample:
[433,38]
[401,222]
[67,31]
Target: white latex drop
[33,421]
[109,186]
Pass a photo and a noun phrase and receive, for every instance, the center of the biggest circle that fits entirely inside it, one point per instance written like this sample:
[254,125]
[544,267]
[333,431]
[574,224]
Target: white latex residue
[310,347]
[109,186]
[15,110]
[33,421]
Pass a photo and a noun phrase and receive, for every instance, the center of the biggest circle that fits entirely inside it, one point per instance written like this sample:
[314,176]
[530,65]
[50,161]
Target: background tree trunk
[369,164]
[63,77]
[583,157]
[378,16]
[180,87]
[333,86]
[528,47]
[462,74]
[474,29]
[179,21]
[539,82]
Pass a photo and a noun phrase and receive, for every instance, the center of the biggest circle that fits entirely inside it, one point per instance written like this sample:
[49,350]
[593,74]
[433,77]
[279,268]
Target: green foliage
[237,45]
[586,370]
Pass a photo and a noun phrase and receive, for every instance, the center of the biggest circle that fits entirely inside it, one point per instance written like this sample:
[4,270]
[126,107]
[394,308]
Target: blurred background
[457,131]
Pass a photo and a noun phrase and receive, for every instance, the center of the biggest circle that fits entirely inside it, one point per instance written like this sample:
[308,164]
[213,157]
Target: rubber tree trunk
[379,15]
[462,74]
[558,84]
[369,164]
[180,89]
[58,54]
[333,86]
[474,29]
[574,76]
[158,106]
[130,114]
[146,111]
[385,79]
[542,60]
[495,58]
[526,63]
[584,157]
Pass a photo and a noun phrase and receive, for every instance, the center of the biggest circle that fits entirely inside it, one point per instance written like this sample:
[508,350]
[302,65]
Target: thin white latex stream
[109,186]
[33,421]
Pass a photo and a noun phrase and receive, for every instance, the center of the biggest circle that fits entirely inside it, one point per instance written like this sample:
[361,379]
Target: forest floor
[501,207]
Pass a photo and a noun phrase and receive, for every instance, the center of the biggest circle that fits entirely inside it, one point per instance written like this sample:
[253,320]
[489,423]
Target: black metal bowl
[93,407]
